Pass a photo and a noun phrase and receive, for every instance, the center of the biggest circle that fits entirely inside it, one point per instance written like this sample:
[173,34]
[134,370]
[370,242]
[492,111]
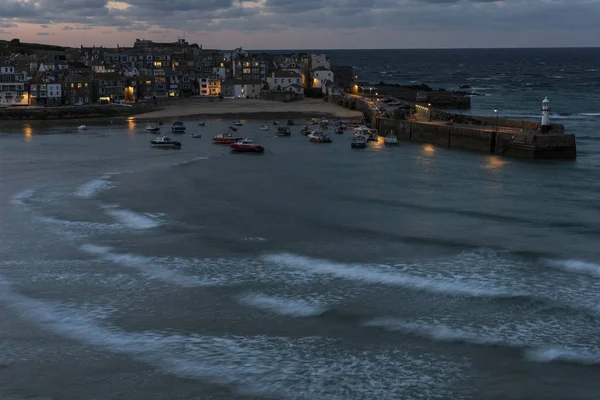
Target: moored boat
[237,123]
[319,137]
[163,142]
[201,123]
[233,128]
[372,135]
[358,142]
[283,131]
[264,127]
[196,135]
[305,130]
[338,131]
[177,127]
[152,128]
[290,122]
[391,140]
[225,138]
[82,127]
[246,146]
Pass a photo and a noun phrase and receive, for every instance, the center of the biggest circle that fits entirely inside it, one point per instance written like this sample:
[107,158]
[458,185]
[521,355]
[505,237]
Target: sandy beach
[248,108]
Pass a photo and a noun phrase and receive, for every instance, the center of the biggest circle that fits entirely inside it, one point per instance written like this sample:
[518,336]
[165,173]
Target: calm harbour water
[312,271]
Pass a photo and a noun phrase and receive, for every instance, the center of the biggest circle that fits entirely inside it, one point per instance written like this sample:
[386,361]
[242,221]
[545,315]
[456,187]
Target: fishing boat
[196,135]
[283,131]
[177,127]
[246,146]
[305,130]
[163,142]
[338,131]
[237,123]
[264,127]
[152,128]
[391,140]
[372,135]
[82,127]
[233,129]
[319,137]
[358,142]
[225,138]
[290,122]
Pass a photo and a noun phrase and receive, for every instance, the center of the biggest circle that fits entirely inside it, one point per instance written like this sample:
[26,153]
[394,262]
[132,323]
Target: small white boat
[152,128]
[196,135]
[391,140]
[82,127]
[264,127]
[237,123]
[163,142]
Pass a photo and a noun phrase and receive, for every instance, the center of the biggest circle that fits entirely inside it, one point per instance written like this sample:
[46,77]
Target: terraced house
[12,85]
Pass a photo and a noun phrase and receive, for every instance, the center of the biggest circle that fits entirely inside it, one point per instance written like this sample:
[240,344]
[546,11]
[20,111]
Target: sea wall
[72,112]
[516,144]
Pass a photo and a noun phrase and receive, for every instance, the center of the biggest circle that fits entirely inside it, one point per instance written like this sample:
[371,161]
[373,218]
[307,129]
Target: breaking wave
[282,306]
[576,266]
[19,198]
[133,220]
[94,187]
[150,267]
[309,367]
[374,275]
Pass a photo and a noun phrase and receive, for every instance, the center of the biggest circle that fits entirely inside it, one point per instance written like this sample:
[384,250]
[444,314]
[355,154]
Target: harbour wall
[72,112]
[517,144]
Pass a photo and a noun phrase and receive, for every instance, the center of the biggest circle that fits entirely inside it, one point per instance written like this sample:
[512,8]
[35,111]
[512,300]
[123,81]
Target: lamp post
[497,112]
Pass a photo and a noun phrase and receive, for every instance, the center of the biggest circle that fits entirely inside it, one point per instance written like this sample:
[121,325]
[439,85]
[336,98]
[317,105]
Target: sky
[306,24]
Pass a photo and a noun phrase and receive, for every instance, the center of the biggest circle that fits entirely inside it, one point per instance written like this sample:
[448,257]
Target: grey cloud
[44,26]
[7,24]
[42,34]
[67,28]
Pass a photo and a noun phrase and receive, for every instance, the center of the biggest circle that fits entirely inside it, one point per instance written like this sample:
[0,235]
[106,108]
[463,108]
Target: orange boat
[225,138]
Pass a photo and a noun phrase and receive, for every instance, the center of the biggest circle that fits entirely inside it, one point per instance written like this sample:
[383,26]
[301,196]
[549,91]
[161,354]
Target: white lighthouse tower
[545,128]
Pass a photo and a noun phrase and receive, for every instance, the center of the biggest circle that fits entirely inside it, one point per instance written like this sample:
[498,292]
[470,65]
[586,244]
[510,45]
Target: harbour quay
[423,123]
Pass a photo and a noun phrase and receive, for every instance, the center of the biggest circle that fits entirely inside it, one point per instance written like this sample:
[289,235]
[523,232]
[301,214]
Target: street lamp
[497,112]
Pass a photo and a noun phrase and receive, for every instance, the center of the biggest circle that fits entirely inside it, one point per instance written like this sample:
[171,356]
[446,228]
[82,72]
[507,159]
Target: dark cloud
[274,16]
[43,34]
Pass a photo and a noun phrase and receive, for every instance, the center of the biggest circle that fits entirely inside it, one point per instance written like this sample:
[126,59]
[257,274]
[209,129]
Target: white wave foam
[566,354]
[149,267]
[255,239]
[94,187]
[528,338]
[262,366]
[76,229]
[576,266]
[134,220]
[280,305]
[19,198]
[373,275]
[190,161]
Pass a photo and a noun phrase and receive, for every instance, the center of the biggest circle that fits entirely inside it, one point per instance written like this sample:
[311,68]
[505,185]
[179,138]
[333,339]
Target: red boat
[225,138]
[246,146]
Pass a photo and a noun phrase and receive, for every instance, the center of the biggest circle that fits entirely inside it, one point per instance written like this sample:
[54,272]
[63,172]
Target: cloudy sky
[306,24]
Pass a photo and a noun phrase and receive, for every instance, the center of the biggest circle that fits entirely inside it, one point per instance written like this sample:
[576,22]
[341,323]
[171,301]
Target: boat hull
[393,144]
[225,140]
[178,130]
[170,146]
[247,149]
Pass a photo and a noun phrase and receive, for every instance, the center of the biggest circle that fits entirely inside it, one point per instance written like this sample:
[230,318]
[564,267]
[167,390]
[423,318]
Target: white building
[319,60]
[285,81]
[12,85]
[209,85]
[320,76]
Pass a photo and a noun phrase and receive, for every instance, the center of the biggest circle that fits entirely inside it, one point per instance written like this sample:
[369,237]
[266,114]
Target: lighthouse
[545,128]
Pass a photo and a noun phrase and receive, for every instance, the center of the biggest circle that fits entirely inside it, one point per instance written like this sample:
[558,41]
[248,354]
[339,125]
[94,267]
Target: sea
[313,271]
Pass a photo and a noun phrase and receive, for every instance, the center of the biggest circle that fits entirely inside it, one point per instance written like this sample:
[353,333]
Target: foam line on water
[94,187]
[259,365]
[181,163]
[77,229]
[132,219]
[576,266]
[538,340]
[149,267]
[384,277]
[20,198]
[282,305]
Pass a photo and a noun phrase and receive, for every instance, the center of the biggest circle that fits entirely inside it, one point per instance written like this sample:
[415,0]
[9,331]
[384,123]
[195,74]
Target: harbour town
[155,81]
